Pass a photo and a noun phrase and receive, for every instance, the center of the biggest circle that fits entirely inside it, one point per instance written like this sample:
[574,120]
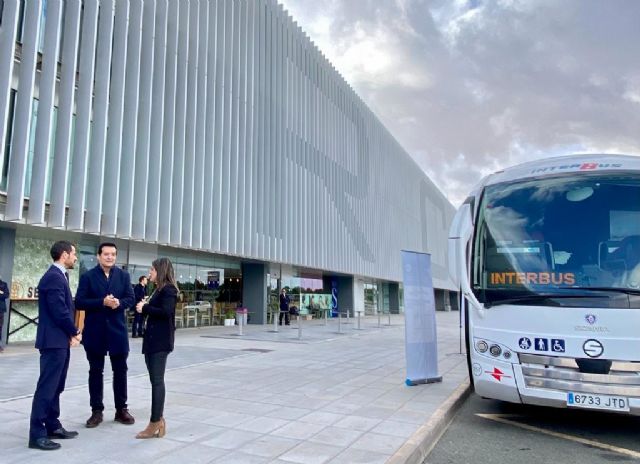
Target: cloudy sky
[471,86]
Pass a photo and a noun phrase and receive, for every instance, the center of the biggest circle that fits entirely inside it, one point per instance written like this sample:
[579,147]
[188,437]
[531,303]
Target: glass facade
[195,272]
[31,260]
[203,278]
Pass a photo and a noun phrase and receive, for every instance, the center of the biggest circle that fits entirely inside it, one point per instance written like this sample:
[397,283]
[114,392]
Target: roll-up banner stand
[421,343]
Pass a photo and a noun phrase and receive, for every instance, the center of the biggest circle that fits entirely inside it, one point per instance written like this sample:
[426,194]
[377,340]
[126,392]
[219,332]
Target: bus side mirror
[459,234]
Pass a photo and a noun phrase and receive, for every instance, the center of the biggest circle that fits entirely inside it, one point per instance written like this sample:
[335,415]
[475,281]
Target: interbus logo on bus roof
[577,166]
[590,318]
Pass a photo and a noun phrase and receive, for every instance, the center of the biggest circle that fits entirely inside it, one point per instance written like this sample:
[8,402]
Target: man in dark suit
[4,294]
[56,333]
[284,306]
[139,292]
[105,294]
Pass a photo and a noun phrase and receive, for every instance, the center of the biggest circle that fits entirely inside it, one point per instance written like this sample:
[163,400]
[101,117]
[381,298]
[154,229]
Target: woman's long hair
[164,271]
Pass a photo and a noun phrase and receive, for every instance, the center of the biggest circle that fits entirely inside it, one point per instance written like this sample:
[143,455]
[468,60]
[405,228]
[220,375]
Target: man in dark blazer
[284,306]
[105,294]
[139,292]
[56,333]
[4,295]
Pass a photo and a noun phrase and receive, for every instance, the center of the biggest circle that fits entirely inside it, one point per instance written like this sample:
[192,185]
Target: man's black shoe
[94,420]
[124,417]
[44,444]
[63,434]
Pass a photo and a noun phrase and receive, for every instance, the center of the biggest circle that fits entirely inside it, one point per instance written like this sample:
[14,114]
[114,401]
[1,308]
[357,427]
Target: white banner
[421,345]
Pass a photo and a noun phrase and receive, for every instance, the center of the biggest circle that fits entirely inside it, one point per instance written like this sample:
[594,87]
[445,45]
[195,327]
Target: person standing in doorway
[105,293]
[284,307]
[56,333]
[4,295]
[160,312]
[139,292]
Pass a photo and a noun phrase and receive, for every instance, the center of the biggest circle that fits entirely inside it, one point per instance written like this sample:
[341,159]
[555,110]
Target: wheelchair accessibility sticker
[557,345]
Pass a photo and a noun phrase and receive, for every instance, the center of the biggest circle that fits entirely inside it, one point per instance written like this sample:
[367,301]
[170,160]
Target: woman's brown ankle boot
[154,429]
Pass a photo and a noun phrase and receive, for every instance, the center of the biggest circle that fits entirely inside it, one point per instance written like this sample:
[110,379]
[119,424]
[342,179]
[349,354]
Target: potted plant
[230,317]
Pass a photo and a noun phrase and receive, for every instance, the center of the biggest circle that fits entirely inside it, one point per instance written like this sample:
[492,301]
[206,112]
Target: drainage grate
[257,350]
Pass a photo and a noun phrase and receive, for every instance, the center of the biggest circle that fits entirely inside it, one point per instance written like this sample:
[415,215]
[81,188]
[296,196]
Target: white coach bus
[547,258]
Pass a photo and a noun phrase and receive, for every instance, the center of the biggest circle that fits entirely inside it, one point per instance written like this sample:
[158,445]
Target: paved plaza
[263,397]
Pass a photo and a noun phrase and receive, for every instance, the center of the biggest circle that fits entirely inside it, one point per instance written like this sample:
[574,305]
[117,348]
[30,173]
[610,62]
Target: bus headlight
[492,350]
[495,350]
[482,346]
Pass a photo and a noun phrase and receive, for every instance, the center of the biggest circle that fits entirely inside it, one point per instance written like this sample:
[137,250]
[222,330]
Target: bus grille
[557,373]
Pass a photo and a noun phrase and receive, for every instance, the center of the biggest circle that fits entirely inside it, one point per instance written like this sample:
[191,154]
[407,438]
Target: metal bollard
[299,327]
[389,314]
[240,323]
[378,319]
[339,322]
[358,316]
[276,315]
[347,315]
[326,317]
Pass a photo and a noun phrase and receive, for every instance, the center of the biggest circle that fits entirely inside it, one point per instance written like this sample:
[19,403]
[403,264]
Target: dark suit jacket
[3,297]
[105,329]
[55,311]
[161,320]
[139,292]
[284,303]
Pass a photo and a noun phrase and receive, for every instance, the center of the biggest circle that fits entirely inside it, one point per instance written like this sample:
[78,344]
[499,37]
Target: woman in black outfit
[159,312]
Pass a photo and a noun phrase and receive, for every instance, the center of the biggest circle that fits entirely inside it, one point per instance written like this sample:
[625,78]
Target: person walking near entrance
[55,334]
[4,294]
[158,340]
[139,292]
[105,293]
[284,307]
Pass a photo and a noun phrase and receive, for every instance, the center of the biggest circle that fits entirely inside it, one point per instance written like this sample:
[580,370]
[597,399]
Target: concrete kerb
[420,444]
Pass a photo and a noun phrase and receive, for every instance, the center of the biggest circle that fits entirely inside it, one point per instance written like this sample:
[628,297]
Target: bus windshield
[573,237]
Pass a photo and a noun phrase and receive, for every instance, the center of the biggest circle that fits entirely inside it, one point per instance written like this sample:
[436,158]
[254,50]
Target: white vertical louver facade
[204,124]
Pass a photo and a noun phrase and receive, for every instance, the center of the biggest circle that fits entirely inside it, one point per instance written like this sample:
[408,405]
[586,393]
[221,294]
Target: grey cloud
[488,84]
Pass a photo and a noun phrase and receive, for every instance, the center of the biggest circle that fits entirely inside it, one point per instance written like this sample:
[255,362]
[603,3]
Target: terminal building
[213,132]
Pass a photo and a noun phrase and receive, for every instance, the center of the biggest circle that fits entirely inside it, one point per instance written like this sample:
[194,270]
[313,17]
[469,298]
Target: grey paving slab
[269,446]
[394,428]
[336,436]
[289,413]
[261,398]
[262,424]
[231,439]
[356,456]
[192,453]
[241,458]
[379,443]
[357,423]
[321,418]
[298,430]
[311,453]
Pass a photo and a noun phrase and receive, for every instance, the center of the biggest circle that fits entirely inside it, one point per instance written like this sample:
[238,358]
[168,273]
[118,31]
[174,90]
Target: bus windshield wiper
[535,297]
